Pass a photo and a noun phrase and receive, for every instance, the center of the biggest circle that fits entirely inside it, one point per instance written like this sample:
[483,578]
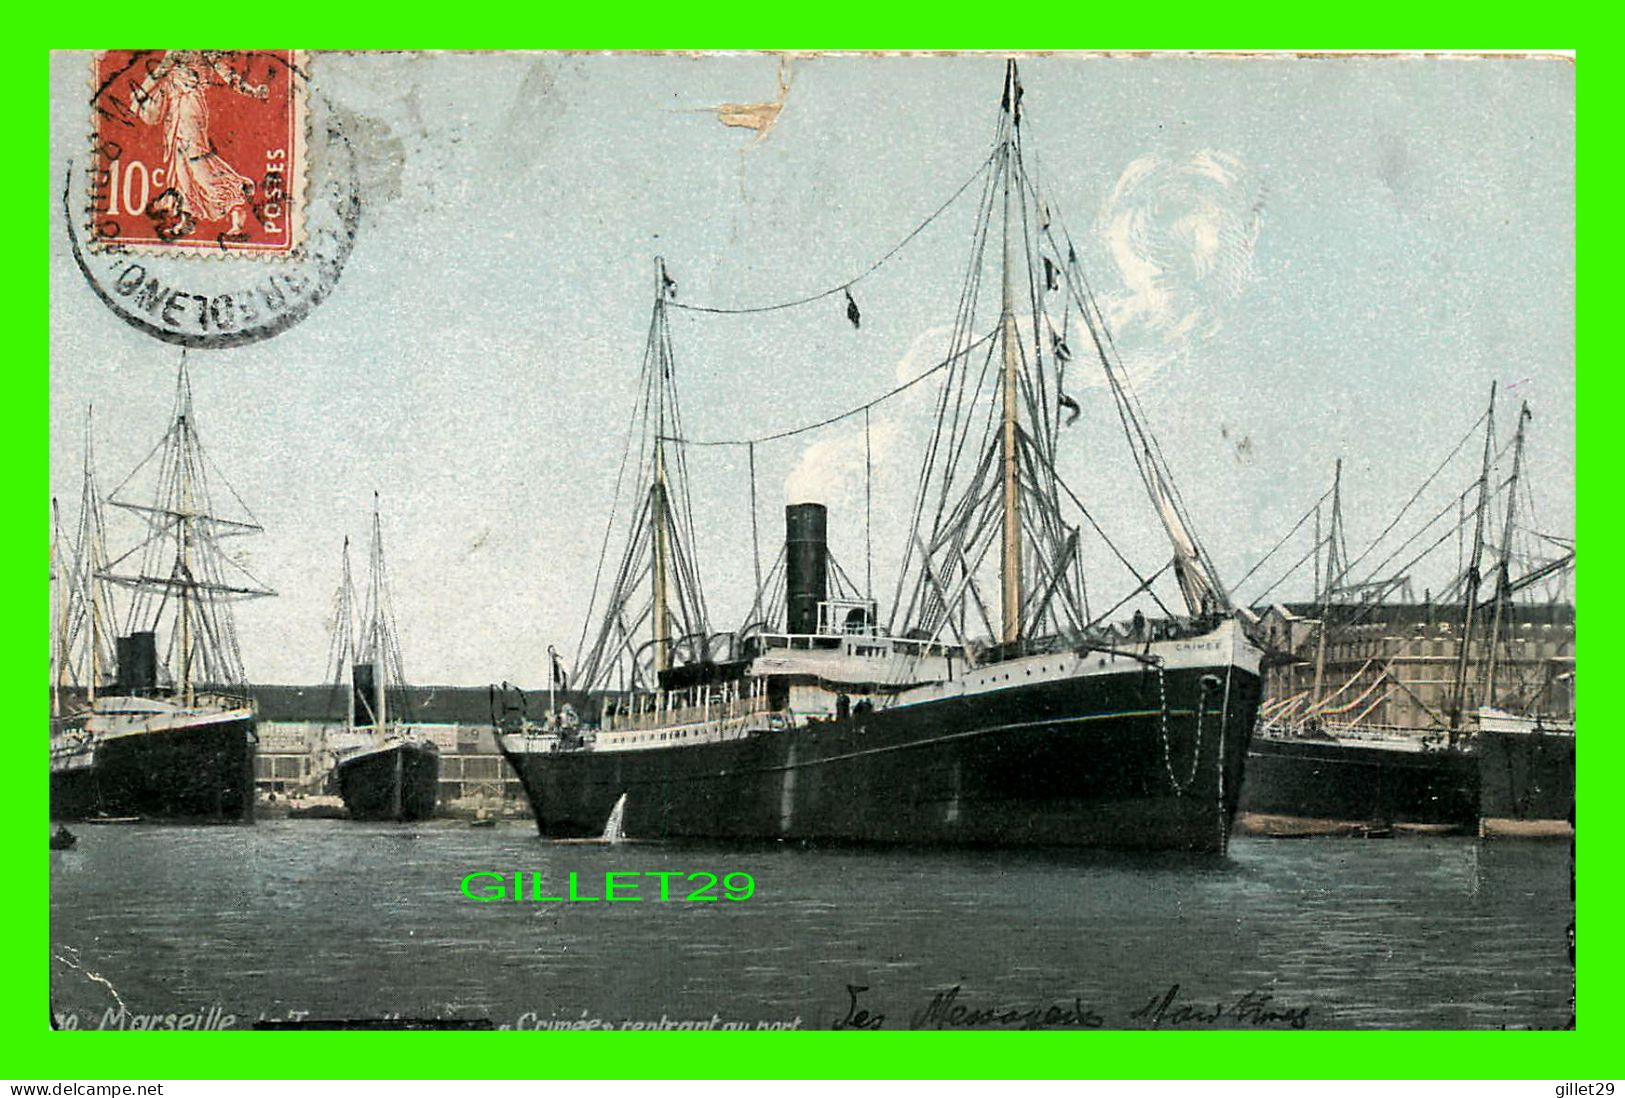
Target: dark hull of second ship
[199,773]
[401,783]
[1083,762]
[1328,781]
[1526,776]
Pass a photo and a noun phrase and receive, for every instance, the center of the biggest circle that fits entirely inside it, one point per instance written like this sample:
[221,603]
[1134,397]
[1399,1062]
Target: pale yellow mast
[1010,562]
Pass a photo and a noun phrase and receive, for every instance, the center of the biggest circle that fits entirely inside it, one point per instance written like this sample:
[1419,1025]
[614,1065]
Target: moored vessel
[996,704]
[1525,774]
[1355,780]
[1373,714]
[171,738]
[384,771]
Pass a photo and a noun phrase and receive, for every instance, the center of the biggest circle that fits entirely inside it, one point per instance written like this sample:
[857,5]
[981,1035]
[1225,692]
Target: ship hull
[396,782]
[1306,782]
[1525,778]
[197,770]
[1094,761]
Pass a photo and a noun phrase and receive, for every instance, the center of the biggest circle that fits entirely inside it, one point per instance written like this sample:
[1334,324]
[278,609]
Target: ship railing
[1369,733]
[871,639]
[645,719]
[223,699]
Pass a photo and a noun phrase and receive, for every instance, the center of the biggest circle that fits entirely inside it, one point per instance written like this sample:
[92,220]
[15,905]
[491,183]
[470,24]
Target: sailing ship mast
[988,474]
[1011,489]
[59,635]
[77,564]
[344,637]
[381,641]
[379,648]
[380,714]
[181,558]
[1459,700]
[1503,578]
[1010,559]
[654,604]
[93,551]
[1333,575]
[184,564]
[657,493]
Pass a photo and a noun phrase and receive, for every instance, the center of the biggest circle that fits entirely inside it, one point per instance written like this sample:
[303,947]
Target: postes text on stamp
[197,150]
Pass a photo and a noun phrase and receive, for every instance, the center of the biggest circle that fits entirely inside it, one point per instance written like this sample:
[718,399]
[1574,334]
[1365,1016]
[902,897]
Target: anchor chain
[1179,787]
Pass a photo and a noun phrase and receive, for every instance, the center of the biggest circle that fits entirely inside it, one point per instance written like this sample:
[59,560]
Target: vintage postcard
[812,542]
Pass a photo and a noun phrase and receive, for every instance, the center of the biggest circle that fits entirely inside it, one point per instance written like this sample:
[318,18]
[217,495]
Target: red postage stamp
[198,150]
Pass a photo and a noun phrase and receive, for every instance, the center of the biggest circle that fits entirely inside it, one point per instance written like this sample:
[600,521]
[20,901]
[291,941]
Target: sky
[1300,260]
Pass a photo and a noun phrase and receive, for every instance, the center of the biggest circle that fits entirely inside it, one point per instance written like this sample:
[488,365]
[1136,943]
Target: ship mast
[90,527]
[383,653]
[183,562]
[1331,575]
[95,629]
[1010,559]
[989,495]
[379,656]
[180,557]
[60,636]
[1460,700]
[657,490]
[344,622]
[654,601]
[1503,578]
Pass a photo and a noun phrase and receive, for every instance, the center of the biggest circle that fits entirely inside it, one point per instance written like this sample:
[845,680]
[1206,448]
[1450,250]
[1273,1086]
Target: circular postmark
[218,202]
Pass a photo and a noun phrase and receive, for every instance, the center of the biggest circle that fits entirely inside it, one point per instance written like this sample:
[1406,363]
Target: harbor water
[314,922]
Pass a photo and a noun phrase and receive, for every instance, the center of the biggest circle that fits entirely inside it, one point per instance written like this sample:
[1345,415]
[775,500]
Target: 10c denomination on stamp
[198,149]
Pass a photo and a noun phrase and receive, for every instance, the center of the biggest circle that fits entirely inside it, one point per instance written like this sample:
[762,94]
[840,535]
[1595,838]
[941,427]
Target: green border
[33,1051]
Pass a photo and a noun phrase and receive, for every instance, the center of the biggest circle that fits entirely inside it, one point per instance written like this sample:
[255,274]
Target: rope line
[849,283]
[850,412]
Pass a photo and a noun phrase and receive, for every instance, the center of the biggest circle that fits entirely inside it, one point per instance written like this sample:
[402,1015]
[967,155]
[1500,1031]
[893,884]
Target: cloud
[832,468]
[1181,233]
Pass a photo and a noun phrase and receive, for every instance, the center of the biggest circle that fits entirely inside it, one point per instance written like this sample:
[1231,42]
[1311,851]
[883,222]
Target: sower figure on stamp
[201,186]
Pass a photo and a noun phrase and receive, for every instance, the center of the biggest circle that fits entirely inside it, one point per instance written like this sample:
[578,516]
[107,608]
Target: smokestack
[138,663]
[363,683]
[806,565]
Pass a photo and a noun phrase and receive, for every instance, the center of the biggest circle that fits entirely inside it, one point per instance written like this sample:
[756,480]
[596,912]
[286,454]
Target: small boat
[318,810]
[488,821]
[108,820]
[386,771]
[63,839]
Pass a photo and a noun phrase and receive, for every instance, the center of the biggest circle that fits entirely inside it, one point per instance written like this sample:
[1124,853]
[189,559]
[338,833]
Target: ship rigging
[991,556]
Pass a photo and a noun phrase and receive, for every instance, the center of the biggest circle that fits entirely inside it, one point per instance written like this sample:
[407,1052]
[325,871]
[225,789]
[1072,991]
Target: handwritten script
[1171,1008]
